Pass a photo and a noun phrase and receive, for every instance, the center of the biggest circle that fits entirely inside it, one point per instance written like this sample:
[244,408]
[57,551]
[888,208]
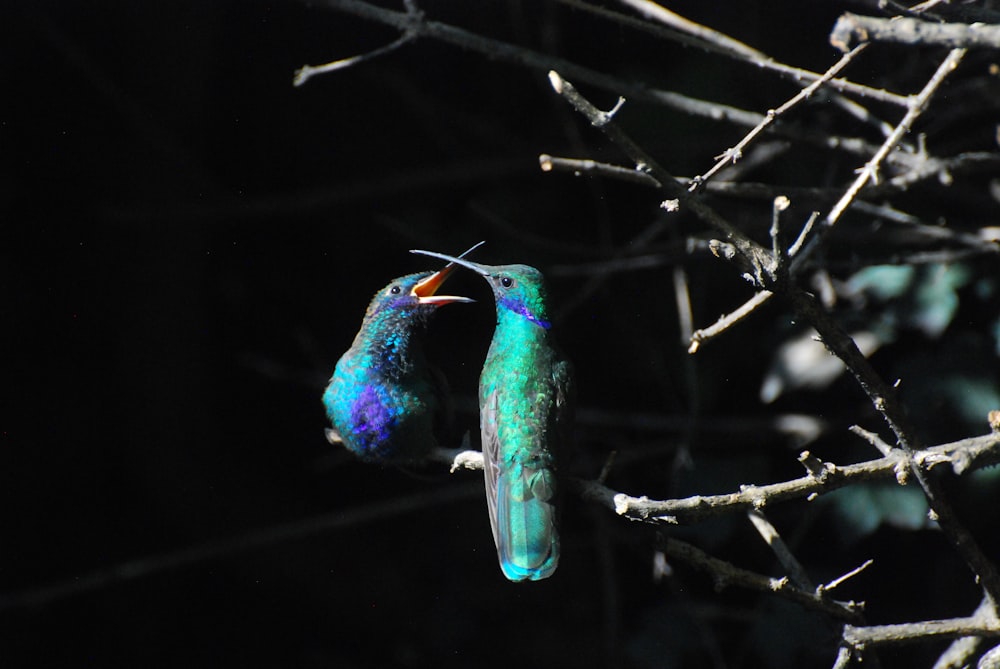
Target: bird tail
[525,528]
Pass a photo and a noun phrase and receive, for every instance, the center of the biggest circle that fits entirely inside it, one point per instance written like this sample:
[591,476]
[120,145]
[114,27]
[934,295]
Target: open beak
[425,291]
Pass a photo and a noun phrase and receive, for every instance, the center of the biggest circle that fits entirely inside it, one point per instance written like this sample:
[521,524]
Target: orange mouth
[425,290]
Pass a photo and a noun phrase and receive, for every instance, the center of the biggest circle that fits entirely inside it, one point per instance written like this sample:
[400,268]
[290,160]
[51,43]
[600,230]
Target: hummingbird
[525,416]
[384,397]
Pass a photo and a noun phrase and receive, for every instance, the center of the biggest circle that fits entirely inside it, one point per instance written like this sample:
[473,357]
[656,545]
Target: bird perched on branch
[525,416]
[384,398]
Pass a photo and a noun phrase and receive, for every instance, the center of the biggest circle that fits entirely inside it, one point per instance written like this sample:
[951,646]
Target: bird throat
[521,309]
[391,347]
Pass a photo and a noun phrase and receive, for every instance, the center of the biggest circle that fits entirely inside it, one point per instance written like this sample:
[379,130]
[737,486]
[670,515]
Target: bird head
[518,289]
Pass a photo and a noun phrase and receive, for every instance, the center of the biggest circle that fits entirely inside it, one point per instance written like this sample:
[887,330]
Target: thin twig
[826,587]
[733,154]
[307,72]
[549,163]
[727,321]
[713,40]
[843,658]
[519,55]
[724,43]
[872,438]
[725,574]
[769,533]
[754,255]
[869,173]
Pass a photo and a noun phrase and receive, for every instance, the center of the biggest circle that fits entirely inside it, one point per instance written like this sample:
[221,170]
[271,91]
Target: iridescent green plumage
[525,417]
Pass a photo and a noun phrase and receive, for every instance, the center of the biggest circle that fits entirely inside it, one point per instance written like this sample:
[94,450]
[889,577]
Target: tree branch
[963,456]
[882,635]
[733,154]
[689,33]
[754,255]
[854,28]
[725,574]
[519,55]
[869,173]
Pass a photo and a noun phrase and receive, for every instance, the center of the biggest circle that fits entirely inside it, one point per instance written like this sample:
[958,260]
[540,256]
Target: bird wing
[565,407]
[491,457]
[520,496]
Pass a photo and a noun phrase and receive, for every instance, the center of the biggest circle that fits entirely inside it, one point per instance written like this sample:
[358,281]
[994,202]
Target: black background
[188,244]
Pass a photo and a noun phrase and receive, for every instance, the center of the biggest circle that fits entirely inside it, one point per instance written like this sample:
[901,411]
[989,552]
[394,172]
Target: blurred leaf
[882,281]
[951,389]
[804,362]
[972,397]
[863,509]
[988,477]
[936,297]
[924,298]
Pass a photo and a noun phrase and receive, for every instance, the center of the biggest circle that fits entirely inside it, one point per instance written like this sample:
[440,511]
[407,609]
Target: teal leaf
[863,509]
[936,298]
[883,281]
[972,397]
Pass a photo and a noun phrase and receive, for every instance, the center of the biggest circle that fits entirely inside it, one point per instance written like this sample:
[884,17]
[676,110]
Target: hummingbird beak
[453,260]
[425,290]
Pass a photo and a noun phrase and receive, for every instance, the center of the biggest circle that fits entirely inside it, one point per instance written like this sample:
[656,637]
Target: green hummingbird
[525,417]
[384,398]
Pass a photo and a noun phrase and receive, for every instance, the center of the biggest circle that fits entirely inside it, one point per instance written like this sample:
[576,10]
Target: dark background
[188,244]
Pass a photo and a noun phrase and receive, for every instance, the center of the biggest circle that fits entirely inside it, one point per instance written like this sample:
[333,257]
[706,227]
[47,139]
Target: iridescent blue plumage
[384,399]
[525,415]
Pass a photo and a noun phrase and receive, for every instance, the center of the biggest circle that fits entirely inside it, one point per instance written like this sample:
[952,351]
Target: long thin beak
[452,261]
[425,290]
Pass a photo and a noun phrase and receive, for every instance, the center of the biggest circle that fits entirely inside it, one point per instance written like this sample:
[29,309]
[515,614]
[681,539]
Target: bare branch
[725,574]
[769,533]
[960,650]
[707,38]
[754,255]
[724,43]
[886,401]
[854,28]
[963,456]
[307,72]
[826,587]
[549,163]
[728,320]
[869,173]
[733,154]
[882,635]
[741,52]
[519,55]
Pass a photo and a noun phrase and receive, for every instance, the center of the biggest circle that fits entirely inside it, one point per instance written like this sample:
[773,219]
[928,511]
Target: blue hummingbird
[384,398]
[525,417]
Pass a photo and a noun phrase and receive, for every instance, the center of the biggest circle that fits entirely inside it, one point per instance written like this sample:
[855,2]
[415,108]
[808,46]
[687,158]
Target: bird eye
[394,290]
[506,282]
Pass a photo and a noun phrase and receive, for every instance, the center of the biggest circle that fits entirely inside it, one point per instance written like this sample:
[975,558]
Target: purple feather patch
[372,420]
